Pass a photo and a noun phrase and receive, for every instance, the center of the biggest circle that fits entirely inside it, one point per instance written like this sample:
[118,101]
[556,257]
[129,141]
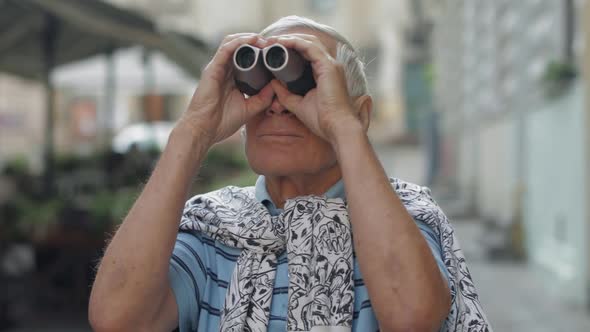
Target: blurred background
[486,102]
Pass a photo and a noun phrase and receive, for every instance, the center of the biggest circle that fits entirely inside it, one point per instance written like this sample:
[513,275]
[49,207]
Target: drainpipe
[586,144]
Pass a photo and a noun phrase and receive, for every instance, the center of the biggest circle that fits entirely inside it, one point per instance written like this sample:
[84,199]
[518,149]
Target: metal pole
[109,98]
[49,40]
[570,26]
[149,75]
[585,19]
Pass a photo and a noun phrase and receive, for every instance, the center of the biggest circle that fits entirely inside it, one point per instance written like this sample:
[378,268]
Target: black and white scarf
[316,233]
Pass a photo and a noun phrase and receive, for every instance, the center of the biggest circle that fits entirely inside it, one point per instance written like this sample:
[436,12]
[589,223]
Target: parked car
[143,136]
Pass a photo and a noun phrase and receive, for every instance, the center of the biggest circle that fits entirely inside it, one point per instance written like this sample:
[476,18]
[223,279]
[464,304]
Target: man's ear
[364,105]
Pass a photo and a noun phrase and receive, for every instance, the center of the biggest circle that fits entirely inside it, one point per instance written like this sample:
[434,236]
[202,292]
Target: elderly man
[281,256]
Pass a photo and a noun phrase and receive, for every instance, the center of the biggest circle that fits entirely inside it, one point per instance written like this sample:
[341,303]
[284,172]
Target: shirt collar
[262,195]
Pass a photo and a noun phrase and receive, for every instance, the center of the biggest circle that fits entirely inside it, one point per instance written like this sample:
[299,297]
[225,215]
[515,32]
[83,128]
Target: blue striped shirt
[201,268]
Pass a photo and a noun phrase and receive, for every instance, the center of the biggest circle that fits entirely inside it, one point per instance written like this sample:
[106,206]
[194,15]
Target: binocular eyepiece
[255,67]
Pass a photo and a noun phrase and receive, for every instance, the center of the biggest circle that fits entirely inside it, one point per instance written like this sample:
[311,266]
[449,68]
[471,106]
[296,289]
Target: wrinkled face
[278,144]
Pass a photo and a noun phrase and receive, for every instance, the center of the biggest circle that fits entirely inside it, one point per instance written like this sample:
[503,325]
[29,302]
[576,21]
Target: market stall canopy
[80,29]
[36,36]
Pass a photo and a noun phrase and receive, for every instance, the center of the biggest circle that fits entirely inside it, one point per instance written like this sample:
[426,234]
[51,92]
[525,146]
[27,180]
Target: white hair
[346,54]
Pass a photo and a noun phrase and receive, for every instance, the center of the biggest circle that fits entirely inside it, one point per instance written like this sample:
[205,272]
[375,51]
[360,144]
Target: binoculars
[255,67]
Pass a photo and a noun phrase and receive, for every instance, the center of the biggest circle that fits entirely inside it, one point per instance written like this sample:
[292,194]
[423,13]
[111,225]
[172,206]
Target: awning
[80,29]
[38,35]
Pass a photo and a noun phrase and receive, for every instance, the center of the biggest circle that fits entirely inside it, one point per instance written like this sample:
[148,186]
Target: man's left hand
[327,109]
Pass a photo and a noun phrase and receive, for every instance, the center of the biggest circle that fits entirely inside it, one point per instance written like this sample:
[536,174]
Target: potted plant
[558,77]
[38,219]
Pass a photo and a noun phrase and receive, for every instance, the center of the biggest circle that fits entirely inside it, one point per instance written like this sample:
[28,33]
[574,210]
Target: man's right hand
[132,289]
[218,109]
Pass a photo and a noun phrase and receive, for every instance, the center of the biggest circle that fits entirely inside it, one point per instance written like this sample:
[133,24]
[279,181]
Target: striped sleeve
[435,247]
[187,279]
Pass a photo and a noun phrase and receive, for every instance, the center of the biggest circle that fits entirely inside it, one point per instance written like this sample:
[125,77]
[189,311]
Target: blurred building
[511,99]
[94,97]
[151,88]
[145,85]
[21,119]
[389,35]
[378,28]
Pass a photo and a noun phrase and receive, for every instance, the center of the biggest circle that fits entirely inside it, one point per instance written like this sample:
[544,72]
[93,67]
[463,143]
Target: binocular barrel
[255,67]
[249,71]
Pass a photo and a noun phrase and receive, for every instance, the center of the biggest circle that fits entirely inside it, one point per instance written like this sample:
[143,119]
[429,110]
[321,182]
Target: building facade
[21,120]
[513,126]
[378,28]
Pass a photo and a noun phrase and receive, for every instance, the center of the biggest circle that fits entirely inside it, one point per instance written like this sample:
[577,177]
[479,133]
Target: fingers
[259,102]
[309,46]
[289,100]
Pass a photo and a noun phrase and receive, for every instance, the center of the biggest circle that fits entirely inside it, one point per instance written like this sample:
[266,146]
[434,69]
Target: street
[512,293]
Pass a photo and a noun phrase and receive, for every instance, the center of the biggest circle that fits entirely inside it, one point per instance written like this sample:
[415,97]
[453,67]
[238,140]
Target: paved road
[512,294]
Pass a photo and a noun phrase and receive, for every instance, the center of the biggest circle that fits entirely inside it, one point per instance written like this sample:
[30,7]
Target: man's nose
[276,108]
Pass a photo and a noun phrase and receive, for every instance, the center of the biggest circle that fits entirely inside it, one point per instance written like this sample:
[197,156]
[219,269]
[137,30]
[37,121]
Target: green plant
[69,162]
[17,166]
[243,179]
[559,71]
[37,217]
[125,199]
[100,206]
[557,78]
[108,208]
[9,218]
[221,164]
[228,158]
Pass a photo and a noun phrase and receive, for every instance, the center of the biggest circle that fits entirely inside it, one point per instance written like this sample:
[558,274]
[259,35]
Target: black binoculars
[255,67]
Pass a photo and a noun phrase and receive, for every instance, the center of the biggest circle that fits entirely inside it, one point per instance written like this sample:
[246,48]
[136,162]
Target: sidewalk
[512,293]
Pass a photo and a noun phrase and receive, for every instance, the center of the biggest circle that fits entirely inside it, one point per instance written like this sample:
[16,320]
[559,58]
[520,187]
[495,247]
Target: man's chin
[274,172]
[276,169]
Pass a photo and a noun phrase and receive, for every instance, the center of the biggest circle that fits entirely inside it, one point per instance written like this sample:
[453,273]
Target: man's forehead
[325,38]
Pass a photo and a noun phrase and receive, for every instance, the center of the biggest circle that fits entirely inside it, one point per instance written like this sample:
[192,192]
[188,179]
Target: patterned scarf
[316,233]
